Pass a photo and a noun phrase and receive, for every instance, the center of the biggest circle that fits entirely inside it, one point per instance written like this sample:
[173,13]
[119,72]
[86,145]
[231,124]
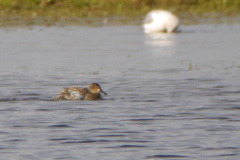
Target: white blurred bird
[160,21]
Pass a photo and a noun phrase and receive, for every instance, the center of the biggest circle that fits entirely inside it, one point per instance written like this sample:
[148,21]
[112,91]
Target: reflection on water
[157,106]
[162,44]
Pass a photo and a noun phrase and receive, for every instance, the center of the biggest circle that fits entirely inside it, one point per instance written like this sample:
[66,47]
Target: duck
[93,92]
[160,21]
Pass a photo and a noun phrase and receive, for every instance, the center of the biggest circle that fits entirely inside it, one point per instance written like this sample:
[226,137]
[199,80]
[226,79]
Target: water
[170,96]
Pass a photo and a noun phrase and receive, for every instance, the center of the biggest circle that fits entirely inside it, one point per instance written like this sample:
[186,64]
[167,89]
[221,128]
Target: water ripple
[167,156]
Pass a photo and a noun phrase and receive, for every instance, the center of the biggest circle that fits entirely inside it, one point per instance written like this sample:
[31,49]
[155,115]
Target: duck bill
[104,93]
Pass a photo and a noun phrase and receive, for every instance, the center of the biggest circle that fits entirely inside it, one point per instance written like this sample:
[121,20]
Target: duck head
[96,88]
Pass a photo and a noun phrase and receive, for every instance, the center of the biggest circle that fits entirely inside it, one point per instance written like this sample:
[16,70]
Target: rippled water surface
[170,96]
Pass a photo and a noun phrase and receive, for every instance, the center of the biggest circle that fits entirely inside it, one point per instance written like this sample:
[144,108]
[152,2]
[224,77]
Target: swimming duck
[160,21]
[77,93]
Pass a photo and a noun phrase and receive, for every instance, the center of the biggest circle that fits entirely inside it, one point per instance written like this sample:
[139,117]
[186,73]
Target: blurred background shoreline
[113,12]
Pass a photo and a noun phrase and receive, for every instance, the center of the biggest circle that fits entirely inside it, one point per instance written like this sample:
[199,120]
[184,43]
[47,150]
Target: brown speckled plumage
[78,93]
